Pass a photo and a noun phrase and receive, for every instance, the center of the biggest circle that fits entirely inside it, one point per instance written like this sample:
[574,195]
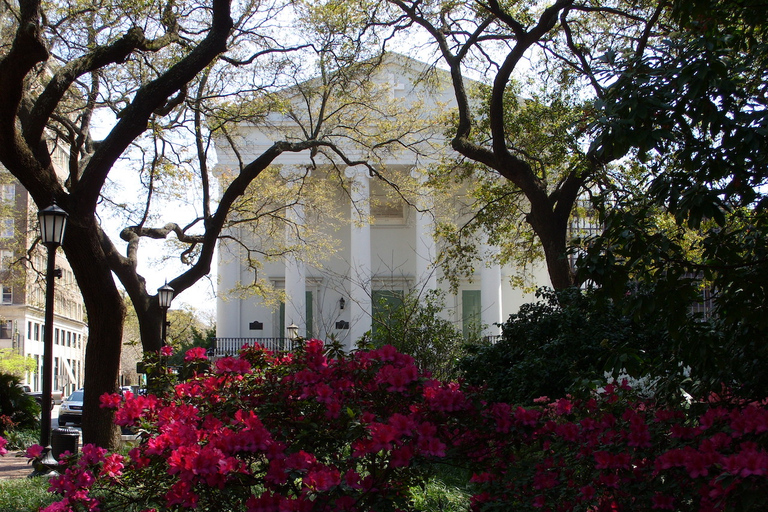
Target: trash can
[64,439]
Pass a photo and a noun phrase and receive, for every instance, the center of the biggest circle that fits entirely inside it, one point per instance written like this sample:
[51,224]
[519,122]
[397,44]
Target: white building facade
[383,248]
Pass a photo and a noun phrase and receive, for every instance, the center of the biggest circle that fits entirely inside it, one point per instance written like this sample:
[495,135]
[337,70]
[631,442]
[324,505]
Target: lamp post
[293,331]
[164,298]
[53,221]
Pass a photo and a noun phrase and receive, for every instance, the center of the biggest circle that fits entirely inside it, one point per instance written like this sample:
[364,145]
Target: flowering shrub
[613,452]
[3,451]
[265,432]
[301,432]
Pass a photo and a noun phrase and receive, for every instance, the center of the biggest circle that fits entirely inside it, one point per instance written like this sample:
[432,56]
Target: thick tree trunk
[552,231]
[150,325]
[106,313]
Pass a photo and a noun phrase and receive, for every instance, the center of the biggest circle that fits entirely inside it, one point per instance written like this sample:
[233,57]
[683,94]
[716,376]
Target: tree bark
[106,312]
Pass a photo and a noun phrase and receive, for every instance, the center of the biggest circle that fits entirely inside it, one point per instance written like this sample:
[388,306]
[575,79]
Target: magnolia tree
[301,432]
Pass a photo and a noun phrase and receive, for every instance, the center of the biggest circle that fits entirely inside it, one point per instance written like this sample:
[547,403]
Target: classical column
[490,295]
[360,255]
[426,275]
[230,262]
[295,269]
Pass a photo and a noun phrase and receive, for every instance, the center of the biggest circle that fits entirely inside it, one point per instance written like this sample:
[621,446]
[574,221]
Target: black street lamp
[164,298]
[53,221]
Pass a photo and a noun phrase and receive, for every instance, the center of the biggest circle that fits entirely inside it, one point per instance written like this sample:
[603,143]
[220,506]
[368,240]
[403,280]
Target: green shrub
[567,339]
[20,410]
[413,326]
[21,439]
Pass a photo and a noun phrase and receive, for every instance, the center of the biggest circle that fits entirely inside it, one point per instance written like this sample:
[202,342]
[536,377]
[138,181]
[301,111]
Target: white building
[22,305]
[380,246]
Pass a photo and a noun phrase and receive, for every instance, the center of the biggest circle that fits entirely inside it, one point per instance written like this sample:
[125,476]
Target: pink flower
[382,436]
[431,446]
[696,464]
[527,416]
[322,478]
[34,451]
[233,365]
[166,351]
[113,466]
[195,354]
[300,460]
[110,400]
[746,463]
[563,406]
[401,457]
[181,494]
[3,442]
[397,378]
[448,398]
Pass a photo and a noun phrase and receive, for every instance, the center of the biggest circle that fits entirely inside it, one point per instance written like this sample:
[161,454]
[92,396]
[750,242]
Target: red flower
[110,400]
[195,354]
[322,478]
[232,365]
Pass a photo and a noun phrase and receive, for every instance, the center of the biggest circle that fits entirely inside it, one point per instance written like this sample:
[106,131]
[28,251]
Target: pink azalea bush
[302,432]
[613,452]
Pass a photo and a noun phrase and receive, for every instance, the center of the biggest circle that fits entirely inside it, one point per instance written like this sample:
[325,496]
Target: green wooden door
[384,301]
[470,312]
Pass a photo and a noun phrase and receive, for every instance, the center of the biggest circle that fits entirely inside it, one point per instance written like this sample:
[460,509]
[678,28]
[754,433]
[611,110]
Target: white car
[71,410]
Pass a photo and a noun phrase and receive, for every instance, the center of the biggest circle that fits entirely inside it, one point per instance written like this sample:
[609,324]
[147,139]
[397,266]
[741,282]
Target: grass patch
[445,490]
[25,494]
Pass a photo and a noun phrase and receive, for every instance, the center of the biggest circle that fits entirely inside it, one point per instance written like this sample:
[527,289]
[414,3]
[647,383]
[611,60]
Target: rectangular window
[6,258]
[8,192]
[387,207]
[6,329]
[29,330]
[7,297]
[69,339]
[6,227]
[37,332]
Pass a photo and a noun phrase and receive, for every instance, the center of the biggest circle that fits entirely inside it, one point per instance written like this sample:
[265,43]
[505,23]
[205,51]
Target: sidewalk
[14,465]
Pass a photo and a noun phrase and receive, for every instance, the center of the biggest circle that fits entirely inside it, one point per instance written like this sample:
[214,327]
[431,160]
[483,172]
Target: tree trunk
[106,313]
[150,319]
[552,231]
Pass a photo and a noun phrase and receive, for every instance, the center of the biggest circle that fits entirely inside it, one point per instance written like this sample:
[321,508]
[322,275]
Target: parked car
[39,396]
[71,410]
